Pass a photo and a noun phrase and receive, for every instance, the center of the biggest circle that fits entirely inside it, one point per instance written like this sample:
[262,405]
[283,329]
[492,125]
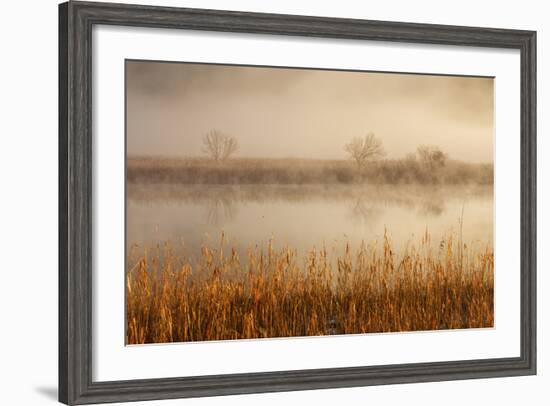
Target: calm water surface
[303,217]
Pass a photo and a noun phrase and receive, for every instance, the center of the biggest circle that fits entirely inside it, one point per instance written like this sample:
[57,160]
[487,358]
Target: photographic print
[270,202]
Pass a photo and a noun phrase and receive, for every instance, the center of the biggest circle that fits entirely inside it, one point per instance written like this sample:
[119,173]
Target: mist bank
[408,196]
[290,171]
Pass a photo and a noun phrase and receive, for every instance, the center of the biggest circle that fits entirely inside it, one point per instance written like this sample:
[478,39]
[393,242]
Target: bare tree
[219,146]
[432,157]
[365,149]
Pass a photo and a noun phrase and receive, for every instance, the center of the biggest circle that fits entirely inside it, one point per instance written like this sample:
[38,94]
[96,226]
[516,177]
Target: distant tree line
[427,165]
[370,149]
[220,147]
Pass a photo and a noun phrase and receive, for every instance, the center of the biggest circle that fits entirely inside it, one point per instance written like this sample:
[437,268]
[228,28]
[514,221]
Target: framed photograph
[257,203]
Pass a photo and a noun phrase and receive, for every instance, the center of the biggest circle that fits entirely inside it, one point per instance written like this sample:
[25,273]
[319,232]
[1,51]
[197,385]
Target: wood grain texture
[63,366]
[76,20]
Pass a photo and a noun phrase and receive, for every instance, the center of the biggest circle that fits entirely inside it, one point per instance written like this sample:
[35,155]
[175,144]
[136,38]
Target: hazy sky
[304,113]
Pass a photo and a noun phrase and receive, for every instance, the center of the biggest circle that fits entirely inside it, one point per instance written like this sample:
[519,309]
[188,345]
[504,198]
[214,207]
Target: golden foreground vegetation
[274,293]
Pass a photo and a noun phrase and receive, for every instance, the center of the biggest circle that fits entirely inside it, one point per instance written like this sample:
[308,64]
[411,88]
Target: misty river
[304,217]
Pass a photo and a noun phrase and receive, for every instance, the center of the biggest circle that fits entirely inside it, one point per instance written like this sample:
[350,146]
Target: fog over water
[311,115]
[277,113]
[302,218]
[277,202]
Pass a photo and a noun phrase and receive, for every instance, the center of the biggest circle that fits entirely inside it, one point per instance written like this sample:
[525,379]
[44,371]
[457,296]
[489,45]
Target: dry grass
[242,171]
[274,294]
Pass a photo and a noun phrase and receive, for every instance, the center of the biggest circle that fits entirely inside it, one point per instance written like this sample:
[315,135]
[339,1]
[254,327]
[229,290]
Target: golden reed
[274,294]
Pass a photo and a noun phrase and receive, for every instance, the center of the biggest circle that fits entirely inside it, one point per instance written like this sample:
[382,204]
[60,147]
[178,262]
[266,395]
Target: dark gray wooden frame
[76,20]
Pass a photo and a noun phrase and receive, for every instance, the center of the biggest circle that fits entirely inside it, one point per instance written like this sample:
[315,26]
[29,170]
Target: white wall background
[28,212]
